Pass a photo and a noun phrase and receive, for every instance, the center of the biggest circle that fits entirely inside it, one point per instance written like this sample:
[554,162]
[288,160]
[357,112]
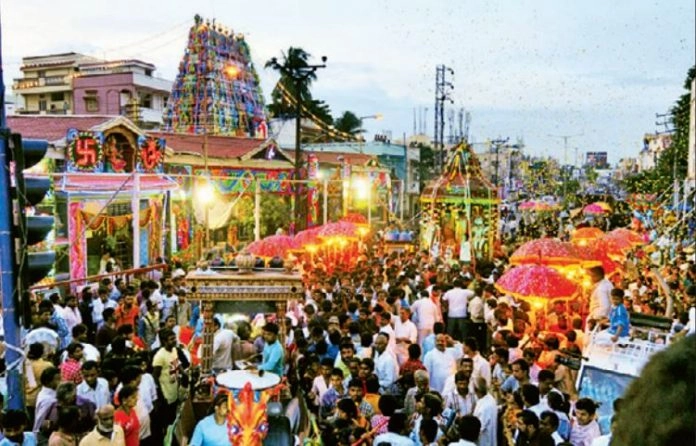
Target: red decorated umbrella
[593,254]
[527,205]
[546,251]
[272,246]
[593,209]
[342,229]
[615,248]
[307,237]
[536,282]
[583,235]
[354,217]
[623,233]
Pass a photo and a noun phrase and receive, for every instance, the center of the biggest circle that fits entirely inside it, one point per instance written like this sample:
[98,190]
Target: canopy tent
[460,210]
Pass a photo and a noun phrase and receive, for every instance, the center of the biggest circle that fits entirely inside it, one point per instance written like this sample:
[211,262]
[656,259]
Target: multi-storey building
[46,87]
[72,83]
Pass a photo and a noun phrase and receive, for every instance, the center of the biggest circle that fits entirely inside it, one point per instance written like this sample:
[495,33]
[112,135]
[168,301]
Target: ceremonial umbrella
[593,209]
[614,247]
[546,251]
[307,237]
[593,254]
[355,217]
[582,235]
[536,283]
[343,229]
[604,205]
[623,233]
[527,205]
[272,246]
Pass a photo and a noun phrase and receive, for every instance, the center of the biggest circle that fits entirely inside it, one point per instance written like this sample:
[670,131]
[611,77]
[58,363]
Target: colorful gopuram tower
[217,89]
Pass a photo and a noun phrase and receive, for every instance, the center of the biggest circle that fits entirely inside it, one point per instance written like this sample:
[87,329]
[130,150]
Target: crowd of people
[401,349]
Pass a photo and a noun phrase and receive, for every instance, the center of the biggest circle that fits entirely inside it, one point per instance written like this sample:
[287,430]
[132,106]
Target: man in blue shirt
[273,355]
[212,430]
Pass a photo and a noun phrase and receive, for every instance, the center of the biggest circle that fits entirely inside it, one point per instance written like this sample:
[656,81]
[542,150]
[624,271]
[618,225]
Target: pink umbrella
[527,205]
[593,209]
[308,237]
[340,229]
[272,246]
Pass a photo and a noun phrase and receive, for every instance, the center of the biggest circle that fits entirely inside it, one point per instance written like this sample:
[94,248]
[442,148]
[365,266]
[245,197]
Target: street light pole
[300,75]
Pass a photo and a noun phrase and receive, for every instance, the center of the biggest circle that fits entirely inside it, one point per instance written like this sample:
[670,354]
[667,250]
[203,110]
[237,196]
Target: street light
[300,75]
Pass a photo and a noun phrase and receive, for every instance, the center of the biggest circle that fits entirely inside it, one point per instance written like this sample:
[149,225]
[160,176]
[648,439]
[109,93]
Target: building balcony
[33,83]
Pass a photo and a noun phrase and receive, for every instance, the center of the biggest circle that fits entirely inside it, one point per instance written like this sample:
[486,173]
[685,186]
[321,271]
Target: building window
[57,97]
[91,104]
[42,105]
[41,74]
[147,101]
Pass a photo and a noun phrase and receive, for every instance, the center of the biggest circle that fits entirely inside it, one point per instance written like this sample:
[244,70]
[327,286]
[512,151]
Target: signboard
[597,160]
[150,154]
[84,151]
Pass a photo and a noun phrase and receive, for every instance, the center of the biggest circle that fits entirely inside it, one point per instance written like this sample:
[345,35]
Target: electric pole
[443,88]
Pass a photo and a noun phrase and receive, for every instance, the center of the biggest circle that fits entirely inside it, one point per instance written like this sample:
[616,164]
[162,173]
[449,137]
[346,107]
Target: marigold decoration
[537,284]
[583,235]
[247,423]
[546,251]
[272,246]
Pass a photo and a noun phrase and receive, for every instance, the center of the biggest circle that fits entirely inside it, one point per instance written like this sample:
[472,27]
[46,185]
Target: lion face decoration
[247,423]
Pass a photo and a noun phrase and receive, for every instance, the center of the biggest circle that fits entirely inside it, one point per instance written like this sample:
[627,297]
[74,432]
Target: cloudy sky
[598,70]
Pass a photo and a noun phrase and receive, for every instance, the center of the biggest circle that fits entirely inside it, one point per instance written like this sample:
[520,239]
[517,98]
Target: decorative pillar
[135,211]
[78,244]
[257,210]
[208,335]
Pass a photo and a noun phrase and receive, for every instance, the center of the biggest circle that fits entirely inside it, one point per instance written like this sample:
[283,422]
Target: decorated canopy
[582,235]
[460,210]
[546,251]
[535,283]
[272,246]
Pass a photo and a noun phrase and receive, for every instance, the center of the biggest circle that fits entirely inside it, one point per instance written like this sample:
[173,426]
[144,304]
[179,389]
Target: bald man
[105,432]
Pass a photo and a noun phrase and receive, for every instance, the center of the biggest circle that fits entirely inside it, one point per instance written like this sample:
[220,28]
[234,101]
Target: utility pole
[443,89]
[497,143]
[299,75]
[565,144]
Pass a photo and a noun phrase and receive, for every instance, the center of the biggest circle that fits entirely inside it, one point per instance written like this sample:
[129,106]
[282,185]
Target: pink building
[105,88]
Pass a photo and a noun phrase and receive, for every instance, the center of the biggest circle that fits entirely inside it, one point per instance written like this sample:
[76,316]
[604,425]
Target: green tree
[349,123]
[284,95]
[673,161]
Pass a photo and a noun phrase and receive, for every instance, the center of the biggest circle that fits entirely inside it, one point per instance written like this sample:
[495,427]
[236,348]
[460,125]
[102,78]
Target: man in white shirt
[426,314]
[397,434]
[440,365]
[222,346]
[457,300]
[386,368]
[71,313]
[487,412]
[600,299]
[50,378]
[482,368]
[92,387]
[405,333]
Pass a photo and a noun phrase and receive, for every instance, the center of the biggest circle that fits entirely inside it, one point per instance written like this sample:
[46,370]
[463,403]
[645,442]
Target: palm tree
[285,92]
[350,124]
